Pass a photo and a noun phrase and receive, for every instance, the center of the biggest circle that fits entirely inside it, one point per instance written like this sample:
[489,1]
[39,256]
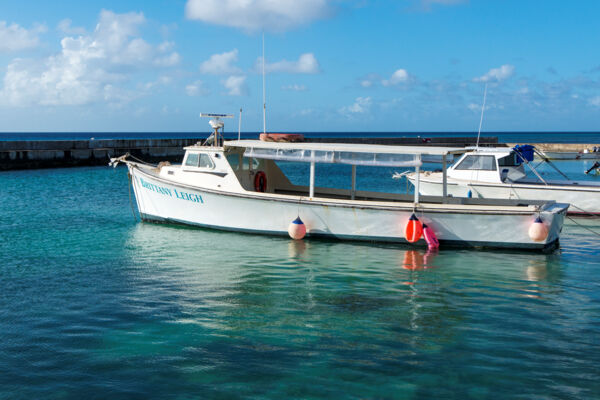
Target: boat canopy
[334,157]
[341,153]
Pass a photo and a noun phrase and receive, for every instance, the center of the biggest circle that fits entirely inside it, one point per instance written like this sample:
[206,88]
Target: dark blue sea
[95,304]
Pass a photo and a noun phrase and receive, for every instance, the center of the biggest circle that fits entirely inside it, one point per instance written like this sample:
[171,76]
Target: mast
[264,90]
[240,125]
[481,119]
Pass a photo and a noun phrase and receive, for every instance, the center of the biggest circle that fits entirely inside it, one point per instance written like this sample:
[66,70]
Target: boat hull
[571,155]
[162,200]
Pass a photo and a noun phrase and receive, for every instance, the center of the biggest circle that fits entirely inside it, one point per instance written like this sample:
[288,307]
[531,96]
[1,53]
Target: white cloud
[256,15]
[497,74]
[361,105]
[235,85]
[88,68]
[307,64]
[196,89]
[168,60]
[65,27]
[161,81]
[477,107]
[369,80]
[426,5]
[221,64]
[14,37]
[294,88]
[443,2]
[399,76]
[595,101]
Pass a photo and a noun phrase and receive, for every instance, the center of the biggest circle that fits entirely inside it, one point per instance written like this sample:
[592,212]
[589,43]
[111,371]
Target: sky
[330,65]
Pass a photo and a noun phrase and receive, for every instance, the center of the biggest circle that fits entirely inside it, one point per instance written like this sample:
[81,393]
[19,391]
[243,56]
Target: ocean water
[95,304]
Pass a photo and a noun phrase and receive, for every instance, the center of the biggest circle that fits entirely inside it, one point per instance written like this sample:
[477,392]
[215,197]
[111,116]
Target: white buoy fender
[538,231]
[297,229]
[430,238]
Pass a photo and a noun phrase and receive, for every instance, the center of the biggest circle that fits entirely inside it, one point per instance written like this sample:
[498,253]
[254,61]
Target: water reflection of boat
[418,260]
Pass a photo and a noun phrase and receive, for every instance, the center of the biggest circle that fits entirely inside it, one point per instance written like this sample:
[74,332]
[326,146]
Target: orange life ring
[260,182]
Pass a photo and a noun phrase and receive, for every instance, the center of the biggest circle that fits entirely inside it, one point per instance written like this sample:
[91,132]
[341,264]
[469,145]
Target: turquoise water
[96,305]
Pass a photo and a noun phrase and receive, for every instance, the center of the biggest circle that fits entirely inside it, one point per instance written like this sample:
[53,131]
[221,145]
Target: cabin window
[480,163]
[200,160]
[234,160]
[205,161]
[509,161]
[246,163]
[192,160]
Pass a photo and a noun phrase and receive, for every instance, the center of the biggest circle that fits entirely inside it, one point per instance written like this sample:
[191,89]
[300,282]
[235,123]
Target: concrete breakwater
[70,153]
[33,154]
[563,147]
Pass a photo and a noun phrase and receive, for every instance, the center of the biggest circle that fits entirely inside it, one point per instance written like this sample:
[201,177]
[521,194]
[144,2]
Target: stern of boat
[553,216]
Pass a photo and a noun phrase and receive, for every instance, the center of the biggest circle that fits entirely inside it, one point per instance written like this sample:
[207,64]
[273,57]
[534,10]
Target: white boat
[499,173]
[571,155]
[238,186]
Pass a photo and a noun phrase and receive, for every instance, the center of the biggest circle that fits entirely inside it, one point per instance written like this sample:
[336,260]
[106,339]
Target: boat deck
[409,198]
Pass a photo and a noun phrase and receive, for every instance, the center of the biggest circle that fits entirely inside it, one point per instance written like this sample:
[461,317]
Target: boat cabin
[252,166]
[492,165]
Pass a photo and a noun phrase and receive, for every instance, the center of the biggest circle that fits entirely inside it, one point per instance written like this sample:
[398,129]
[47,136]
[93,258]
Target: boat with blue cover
[502,173]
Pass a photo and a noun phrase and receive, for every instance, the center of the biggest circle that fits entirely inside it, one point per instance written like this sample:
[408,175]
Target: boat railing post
[444,179]
[353,190]
[418,177]
[311,192]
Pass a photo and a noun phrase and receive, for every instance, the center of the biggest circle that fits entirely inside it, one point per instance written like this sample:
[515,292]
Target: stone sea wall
[33,154]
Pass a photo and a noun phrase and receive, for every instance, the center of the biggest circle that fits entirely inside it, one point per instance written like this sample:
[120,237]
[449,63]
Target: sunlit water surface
[96,305]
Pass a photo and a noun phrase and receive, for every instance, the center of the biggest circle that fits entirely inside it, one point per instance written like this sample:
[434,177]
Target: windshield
[476,162]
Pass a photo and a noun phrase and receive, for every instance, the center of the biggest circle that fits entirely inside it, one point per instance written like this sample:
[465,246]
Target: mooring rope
[588,214]
[142,161]
[584,227]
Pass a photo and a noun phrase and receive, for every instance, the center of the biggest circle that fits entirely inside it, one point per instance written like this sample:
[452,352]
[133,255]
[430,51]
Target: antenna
[264,91]
[216,124]
[481,119]
[240,125]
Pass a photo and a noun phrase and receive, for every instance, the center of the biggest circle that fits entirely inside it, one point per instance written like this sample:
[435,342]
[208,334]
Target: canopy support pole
[311,192]
[418,178]
[444,178]
[353,191]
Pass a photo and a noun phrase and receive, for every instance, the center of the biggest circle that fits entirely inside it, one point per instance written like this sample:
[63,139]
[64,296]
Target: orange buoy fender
[430,238]
[538,231]
[297,229]
[260,182]
[414,229]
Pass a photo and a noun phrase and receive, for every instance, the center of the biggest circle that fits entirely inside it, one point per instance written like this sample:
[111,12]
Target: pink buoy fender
[414,229]
[297,229]
[430,238]
[538,231]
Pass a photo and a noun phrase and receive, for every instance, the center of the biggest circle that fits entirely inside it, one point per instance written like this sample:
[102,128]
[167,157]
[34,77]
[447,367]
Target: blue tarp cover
[526,151]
